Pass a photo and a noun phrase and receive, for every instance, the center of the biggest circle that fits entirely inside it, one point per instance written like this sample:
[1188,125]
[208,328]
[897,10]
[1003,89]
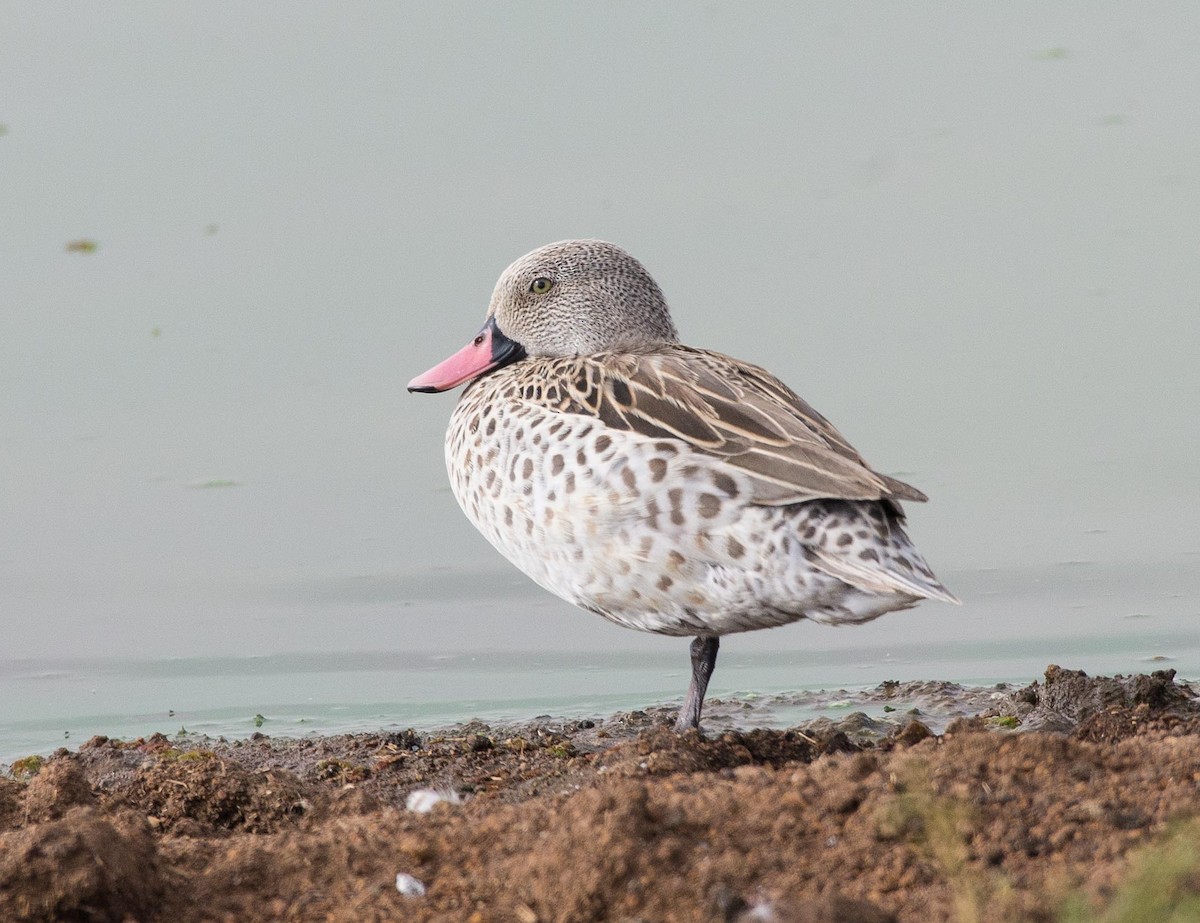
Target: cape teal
[666,488]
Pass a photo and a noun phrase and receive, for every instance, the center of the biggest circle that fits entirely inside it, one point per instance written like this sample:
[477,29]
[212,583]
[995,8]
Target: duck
[664,487]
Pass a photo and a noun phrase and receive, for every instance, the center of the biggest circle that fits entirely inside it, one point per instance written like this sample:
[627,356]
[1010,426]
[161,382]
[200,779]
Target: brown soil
[622,819]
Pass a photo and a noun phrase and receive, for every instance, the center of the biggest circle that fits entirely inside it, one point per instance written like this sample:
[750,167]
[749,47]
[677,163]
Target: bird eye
[541,285]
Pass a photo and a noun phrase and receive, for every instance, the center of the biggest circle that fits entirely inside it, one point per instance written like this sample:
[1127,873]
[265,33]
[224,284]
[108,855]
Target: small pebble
[409,886]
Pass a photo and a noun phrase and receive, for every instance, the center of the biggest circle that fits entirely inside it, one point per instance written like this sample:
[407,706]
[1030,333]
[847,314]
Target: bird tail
[904,571]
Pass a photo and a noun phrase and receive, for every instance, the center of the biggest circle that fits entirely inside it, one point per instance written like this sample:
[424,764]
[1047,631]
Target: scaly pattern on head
[579,297]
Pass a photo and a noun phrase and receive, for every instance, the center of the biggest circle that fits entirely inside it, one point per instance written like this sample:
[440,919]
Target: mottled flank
[666,488]
[603,532]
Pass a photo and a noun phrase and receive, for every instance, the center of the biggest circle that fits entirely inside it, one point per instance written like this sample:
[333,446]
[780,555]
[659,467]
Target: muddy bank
[1055,802]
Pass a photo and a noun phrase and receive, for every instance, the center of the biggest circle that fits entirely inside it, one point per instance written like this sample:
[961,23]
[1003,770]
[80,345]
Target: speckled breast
[642,531]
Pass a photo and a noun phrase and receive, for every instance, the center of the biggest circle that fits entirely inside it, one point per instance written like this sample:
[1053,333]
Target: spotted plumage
[666,488]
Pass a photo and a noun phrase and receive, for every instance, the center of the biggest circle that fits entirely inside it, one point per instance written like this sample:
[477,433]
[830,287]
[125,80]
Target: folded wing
[729,410]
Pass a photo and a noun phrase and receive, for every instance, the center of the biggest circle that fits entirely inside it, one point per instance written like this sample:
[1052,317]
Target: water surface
[976,254]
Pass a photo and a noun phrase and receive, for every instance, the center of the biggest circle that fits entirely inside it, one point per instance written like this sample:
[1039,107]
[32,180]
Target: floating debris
[1051,54]
[216,482]
[83,245]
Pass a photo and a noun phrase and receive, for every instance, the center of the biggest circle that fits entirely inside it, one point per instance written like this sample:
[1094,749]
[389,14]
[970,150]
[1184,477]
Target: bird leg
[704,658]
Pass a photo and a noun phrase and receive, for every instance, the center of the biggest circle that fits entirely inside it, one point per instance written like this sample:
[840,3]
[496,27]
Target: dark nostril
[479,340]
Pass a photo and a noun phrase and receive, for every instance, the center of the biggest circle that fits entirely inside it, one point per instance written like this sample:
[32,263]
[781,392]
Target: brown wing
[727,409]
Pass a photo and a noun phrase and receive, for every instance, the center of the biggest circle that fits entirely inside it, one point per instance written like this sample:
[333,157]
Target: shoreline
[1043,798]
[937,702]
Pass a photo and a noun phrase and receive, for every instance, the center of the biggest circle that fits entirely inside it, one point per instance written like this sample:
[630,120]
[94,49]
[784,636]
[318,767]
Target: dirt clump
[1105,708]
[83,866]
[621,819]
[59,786]
[198,792]
[660,751]
[10,800]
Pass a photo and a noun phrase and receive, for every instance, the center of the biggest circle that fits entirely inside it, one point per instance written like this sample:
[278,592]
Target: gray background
[968,234]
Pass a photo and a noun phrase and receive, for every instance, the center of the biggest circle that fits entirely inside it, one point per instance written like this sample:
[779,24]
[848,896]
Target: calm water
[977,255]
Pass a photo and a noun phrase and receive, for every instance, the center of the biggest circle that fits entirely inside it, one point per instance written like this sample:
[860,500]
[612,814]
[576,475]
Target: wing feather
[730,410]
